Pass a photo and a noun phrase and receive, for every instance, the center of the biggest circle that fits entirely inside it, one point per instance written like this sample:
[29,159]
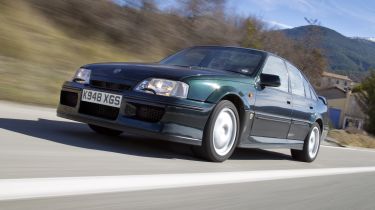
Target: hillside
[345,55]
[36,55]
[42,42]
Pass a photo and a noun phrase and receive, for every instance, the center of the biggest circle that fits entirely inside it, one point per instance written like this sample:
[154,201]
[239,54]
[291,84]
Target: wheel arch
[241,102]
[320,123]
[236,100]
[240,106]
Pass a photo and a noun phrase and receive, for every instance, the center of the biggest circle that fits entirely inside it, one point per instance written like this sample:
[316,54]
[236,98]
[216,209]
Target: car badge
[116,71]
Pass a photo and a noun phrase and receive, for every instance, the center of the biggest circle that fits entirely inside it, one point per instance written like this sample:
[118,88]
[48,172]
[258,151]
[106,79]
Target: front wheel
[221,133]
[105,131]
[310,146]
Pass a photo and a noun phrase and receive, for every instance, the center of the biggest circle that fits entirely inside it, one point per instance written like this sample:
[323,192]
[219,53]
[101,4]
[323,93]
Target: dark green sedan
[211,97]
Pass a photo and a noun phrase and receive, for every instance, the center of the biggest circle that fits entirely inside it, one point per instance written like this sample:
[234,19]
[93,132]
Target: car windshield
[239,60]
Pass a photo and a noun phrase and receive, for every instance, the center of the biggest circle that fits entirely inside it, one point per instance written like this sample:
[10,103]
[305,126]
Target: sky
[352,18]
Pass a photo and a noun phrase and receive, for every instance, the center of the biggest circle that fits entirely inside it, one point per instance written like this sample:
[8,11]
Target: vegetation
[352,139]
[366,99]
[42,42]
[36,56]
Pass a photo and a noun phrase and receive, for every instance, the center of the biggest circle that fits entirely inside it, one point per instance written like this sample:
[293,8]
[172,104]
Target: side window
[307,89]
[277,67]
[313,94]
[296,81]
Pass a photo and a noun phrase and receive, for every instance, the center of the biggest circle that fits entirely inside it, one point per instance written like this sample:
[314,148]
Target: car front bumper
[177,120]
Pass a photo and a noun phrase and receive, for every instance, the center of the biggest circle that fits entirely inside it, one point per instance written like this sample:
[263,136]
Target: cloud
[278,24]
[361,11]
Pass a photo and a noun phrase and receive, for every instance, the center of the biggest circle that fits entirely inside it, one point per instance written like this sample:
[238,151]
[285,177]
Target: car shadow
[79,135]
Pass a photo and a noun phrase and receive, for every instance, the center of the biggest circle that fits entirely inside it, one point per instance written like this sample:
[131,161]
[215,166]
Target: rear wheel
[310,146]
[221,133]
[105,131]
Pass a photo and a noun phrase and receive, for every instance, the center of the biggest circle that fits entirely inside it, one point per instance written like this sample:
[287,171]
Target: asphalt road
[40,152]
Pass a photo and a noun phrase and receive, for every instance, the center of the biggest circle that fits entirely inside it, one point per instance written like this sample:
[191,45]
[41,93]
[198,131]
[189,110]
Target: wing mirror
[323,99]
[269,80]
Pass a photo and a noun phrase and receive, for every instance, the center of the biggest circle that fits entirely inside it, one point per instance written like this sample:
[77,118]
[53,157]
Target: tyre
[221,133]
[104,131]
[311,146]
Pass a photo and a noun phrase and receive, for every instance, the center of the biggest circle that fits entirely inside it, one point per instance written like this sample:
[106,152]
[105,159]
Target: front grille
[68,98]
[109,85]
[98,110]
[144,112]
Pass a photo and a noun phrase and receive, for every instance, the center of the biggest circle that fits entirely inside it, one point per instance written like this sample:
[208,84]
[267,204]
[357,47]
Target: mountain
[349,56]
[372,39]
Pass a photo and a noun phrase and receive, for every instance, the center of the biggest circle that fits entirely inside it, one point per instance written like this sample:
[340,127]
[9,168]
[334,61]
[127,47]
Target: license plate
[103,98]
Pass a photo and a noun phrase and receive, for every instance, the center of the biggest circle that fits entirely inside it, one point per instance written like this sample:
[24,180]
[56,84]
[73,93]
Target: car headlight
[163,87]
[82,76]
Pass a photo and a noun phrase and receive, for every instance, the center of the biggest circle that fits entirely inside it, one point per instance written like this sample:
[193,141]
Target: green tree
[366,98]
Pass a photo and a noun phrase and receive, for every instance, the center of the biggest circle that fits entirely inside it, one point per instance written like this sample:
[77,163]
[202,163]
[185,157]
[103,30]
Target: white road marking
[350,148]
[64,186]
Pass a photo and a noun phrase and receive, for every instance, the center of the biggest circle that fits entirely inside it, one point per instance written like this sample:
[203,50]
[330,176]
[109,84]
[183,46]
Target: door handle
[288,102]
[311,107]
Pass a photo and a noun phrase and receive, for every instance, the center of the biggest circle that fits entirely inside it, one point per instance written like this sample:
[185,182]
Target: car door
[272,106]
[301,104]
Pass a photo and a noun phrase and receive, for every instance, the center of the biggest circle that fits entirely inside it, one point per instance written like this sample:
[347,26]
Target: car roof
[229,46]
[247,48]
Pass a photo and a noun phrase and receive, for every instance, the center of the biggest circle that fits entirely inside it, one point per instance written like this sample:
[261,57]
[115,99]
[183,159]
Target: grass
[353,139]
[36,56]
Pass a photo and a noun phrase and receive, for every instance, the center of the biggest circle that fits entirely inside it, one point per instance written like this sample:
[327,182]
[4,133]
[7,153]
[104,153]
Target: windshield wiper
[181,66]
[201,67]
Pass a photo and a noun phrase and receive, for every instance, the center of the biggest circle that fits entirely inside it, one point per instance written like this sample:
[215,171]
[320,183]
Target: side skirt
[270,143]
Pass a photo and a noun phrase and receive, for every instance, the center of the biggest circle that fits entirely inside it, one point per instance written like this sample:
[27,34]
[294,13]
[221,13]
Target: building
[330,80]
[344,110]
